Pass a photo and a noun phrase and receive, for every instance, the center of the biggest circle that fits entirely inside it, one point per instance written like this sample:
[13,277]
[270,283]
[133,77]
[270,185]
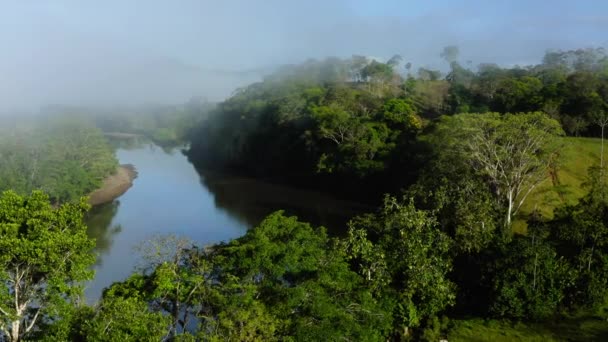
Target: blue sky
[79,50]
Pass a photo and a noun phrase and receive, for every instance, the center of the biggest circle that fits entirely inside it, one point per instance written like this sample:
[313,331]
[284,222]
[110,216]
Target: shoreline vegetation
[115,185]
[452,162]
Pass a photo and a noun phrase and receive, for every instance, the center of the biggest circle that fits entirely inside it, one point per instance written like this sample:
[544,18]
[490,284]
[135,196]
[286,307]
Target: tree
[463,203]
[408,68]
[239,315]
[580,95]
[431,97]
[357,65]
[450,53]
[425,74]
[536,288]
[336,124]
[403,256]
[574,125]
[378,75]
[588,59]
[67,157]
[46,255]
[518,95]
[400,114]
[601,119]
[175,278]
[487,81]
[300,276]
[581,234]
[394,61]
[120,319]
[359,144]
[512,151]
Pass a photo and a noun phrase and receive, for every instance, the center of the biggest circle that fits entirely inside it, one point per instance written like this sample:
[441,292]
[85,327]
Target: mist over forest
[281,170]
[141,52]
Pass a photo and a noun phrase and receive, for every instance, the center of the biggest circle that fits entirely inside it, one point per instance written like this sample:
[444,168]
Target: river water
[170,197]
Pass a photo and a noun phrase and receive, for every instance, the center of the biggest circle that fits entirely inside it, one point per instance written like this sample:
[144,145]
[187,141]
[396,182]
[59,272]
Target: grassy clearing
[584,328]
[576,156]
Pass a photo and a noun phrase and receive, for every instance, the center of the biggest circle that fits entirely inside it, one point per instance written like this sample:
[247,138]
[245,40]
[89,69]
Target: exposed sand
[114,185]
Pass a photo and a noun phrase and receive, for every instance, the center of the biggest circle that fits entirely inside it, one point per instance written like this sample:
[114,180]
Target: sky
[115,52]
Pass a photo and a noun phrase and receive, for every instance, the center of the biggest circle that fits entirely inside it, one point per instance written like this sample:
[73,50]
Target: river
[170,197]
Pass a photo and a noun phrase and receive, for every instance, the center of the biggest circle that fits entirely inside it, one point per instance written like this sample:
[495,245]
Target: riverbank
[114,185]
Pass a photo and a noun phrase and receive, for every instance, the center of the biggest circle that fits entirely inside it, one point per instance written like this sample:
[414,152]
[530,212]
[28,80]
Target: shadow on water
[250,200]
[99,222]
[170,197]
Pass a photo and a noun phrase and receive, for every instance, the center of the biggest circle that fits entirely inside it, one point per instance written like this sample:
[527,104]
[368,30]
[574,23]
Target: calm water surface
[169,196]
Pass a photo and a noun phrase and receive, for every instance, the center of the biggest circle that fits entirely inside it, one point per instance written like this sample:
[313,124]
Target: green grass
[584,328]
[576,156]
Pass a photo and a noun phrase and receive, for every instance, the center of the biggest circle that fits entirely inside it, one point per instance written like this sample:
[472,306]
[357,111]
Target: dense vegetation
[65,156]
[334,123]
[462,158]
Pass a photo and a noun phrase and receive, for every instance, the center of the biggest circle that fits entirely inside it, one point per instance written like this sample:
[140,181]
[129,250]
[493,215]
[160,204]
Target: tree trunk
[535,262]
[509,212]
[590,257]
[15,326]
[602,154]
[175,313]
[602,164]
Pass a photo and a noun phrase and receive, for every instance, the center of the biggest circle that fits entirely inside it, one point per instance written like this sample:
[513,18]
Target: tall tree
[403,256]
[303,280]
[450,53]
[601,119]
[581,234]
[46,255]
[535,289]
[512,152]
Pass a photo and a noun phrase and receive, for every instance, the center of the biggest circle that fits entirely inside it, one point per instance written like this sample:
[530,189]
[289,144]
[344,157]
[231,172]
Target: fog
[134,52]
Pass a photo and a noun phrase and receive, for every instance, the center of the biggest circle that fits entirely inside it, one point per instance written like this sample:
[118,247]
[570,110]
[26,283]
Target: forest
[65,156]
[491,220]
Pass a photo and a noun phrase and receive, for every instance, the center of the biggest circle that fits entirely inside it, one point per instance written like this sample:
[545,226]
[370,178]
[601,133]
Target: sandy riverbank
[114,185]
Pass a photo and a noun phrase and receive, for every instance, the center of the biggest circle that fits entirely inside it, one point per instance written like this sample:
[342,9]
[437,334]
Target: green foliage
[463,202]
[326,123]
[299,126]
[282,280]
[358,127]
[176,280]
[240,316]
[519,95]
[406,258]
[401,113]
[121,319]
[536,288]
[511,153]
[304,281]
[66,157]
[435,329]
[582,236]
[46,255]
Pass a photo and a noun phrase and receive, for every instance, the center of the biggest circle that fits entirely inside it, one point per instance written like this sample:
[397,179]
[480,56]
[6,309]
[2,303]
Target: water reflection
[169,197]
[166,198]
[129,142]
[99,222]
[250,200]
